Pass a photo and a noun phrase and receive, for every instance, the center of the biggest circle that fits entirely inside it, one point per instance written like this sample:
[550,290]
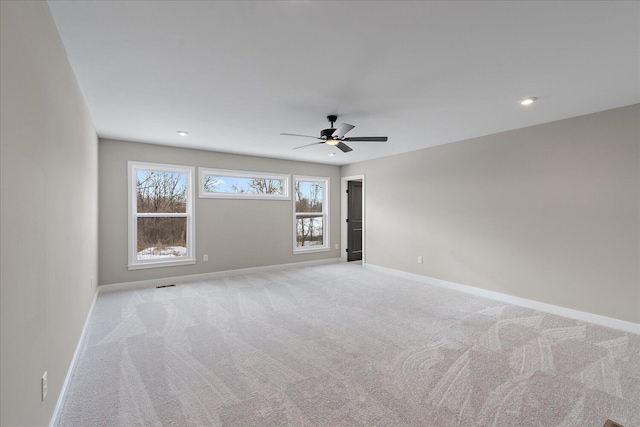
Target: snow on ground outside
[316,224]
[168,252]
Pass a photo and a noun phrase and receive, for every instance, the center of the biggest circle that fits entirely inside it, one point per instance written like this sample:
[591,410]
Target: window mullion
[161,215]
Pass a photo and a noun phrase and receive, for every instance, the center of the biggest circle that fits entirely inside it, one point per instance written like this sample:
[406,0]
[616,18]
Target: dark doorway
[354,221]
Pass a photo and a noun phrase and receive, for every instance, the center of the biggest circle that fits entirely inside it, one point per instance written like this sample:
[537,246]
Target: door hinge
[347,191]
[347,250]
[347,220]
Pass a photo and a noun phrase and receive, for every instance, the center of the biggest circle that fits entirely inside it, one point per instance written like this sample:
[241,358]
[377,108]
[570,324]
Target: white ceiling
[237,74]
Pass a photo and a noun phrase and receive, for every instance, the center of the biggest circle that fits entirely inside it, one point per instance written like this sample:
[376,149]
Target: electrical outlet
[205,257]
[43,384]
[420,259]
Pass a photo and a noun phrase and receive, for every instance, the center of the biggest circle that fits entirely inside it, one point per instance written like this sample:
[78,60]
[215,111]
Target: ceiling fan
[336,137]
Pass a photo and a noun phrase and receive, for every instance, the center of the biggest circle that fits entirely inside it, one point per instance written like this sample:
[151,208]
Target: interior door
[354,221]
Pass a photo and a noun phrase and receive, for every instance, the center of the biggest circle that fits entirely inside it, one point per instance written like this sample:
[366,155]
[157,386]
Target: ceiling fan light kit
[336,136]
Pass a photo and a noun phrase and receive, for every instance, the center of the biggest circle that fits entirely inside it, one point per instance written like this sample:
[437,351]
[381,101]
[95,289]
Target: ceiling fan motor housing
[326,133]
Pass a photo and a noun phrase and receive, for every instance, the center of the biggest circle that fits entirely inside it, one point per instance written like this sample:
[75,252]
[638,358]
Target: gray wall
[234,233]
[49,201]
[550,212]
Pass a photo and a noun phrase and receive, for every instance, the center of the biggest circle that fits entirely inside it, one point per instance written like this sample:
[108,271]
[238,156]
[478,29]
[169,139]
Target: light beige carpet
[340,345]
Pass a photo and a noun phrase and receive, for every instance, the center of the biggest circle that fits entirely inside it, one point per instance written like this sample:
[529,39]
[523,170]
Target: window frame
[190,258]
[202,193]
[326,246]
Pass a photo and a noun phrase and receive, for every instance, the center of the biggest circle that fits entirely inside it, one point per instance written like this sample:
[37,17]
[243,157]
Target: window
[161,224]
[243,185]
[311,223]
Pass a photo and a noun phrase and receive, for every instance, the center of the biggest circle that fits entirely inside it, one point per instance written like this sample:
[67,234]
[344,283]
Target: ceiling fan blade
[342,130]
[304,136]
[367,139]
[307,145]
[344,147]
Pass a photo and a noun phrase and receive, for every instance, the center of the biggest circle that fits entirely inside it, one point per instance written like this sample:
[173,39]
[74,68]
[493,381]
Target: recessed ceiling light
[183,133]
[332,154]
[528,101]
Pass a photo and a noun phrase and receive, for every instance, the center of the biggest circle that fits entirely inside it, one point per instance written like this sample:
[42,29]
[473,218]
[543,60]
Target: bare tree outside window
[236,184]
[160,192]
[227,184]
[309,197]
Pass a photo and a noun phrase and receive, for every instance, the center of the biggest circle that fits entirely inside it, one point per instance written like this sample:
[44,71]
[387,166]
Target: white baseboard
[63,392]
[597,319]
[209,276]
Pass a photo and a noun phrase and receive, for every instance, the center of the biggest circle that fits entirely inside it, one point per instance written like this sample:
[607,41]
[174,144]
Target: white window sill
[143,265]
[308,250]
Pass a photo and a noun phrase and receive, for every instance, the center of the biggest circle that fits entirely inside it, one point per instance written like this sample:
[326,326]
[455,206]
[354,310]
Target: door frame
[344,204]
